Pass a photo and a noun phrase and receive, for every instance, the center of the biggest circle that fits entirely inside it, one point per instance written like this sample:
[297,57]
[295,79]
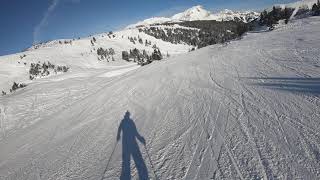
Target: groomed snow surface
[246,110]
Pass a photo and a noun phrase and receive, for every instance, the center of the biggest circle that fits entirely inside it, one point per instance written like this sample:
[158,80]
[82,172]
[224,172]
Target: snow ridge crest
[199,13]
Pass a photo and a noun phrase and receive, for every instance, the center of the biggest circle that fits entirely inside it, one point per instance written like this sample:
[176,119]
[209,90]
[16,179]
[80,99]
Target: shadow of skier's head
[127,115]
[130,148]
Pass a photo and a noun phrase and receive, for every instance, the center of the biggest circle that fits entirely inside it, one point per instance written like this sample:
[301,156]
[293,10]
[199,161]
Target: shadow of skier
[130,148]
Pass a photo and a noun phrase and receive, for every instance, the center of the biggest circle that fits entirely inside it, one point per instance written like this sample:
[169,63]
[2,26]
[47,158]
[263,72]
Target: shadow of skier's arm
[138,136]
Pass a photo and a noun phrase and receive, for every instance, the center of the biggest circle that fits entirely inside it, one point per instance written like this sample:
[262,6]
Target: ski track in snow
[246,110]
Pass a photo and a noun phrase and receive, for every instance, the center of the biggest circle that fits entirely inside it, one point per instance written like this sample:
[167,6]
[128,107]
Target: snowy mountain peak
[199,13]
[227,11]
[192,14]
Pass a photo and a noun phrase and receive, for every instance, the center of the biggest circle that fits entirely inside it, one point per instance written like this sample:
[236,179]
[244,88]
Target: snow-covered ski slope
[81,56]
[246,110]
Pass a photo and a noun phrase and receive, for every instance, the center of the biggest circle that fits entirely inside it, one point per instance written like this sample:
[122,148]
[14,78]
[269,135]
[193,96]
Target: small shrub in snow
[192,49]
[147,43]
[23,56]
[140,41]
[132,40]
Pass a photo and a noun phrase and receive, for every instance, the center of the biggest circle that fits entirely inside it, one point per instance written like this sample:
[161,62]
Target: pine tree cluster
[200,34]
[174,36]
[134,40]
[214,32]
[66,42]
[271,18]
[14,87]
[316,9]
[142,58]
[42,70]
[106,54]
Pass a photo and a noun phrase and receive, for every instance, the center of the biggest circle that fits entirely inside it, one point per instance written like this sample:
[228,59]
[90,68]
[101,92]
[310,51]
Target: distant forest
[199,33]
[208,32]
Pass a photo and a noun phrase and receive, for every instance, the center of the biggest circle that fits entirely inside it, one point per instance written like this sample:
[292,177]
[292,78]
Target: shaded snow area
[246,110]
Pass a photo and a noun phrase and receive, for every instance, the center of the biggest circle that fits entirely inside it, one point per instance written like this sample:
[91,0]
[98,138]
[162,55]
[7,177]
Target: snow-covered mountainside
[81,55]
[192,14]
[199,13]
[300,4]
[249,109]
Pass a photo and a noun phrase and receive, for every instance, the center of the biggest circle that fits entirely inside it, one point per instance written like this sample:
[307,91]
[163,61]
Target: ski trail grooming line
[110,157]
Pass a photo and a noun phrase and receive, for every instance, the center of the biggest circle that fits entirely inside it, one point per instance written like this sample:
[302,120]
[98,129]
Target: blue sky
[24,22]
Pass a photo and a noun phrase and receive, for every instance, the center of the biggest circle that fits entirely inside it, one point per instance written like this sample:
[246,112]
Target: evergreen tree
[111,52]
[156,55]
[125,55]
[316,8]
[135,54]
[101,52]
[287,15]
[145,54]
[14,87]
[132,40]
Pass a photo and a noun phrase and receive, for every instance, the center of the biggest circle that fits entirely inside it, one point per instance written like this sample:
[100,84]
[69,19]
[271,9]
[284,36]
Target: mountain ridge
[199,13]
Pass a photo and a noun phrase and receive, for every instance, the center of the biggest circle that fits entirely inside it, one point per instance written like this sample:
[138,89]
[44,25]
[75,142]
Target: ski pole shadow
[130,148]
